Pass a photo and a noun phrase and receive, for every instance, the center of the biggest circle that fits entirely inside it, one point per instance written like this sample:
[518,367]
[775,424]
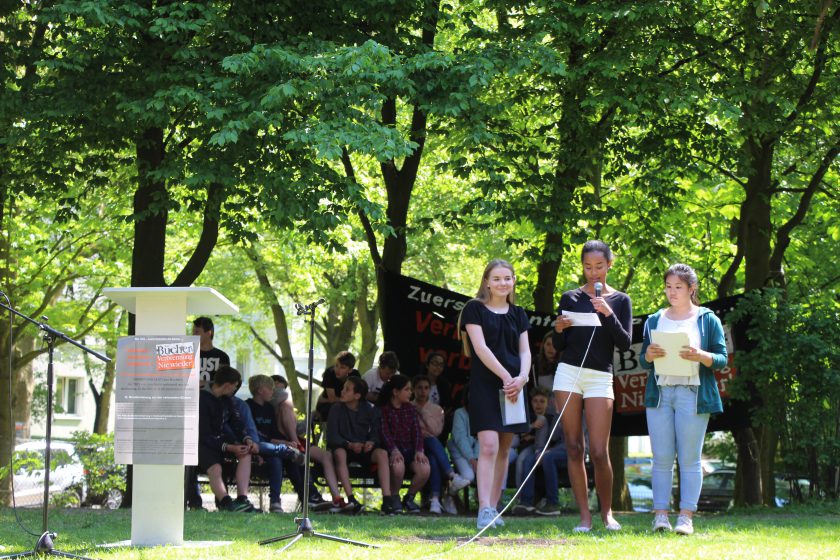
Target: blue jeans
[439,465]
[273,468]
[524,454]
[553,459]
[676,430]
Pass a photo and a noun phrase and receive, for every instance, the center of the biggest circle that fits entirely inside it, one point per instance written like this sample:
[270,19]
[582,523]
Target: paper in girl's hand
[513,412]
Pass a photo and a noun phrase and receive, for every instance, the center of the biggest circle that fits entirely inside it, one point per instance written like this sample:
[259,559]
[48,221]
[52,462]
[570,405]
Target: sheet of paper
[513,412]
[583,319]
[671,364]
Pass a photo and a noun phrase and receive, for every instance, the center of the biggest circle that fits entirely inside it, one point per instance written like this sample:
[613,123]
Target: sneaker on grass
[485,518]
[522,509]
[685,525]
[548,509]
[447,503]
[243,504]
[661,523]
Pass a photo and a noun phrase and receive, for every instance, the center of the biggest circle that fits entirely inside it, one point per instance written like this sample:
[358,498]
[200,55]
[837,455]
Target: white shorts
[589,383]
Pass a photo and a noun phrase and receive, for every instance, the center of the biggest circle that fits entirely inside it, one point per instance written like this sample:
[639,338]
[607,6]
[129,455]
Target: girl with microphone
[678,406]
[584,377]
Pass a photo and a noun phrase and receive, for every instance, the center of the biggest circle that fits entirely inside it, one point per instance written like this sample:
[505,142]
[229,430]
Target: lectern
[157,515]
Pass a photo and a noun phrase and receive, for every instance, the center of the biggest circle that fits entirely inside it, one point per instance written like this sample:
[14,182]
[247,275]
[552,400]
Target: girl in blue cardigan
[678,406]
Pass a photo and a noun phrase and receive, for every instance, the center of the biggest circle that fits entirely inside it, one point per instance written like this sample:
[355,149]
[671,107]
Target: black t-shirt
[330,381]
[265,419]
[210,362]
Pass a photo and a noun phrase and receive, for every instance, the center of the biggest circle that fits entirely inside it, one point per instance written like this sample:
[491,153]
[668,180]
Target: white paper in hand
[671,363]
[513,412]
[583,319]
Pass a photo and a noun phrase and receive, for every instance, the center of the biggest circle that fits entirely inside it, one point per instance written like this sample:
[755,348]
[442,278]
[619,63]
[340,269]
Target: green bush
[97,455]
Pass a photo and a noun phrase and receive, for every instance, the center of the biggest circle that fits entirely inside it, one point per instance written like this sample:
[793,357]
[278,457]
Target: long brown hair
[483,295]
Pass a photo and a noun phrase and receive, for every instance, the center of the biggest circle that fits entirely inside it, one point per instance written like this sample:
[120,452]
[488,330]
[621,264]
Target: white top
[688,326]
[373,379]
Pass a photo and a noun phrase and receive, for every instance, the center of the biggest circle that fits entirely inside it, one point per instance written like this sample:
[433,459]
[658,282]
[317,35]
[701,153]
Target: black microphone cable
[12,426]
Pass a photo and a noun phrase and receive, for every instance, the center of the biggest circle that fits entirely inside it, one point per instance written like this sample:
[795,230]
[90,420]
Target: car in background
[641,492]
[718,490]
[637,471]
[67,475]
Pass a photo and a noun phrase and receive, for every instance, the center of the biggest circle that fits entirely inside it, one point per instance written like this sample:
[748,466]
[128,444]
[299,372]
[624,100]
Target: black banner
[422,318]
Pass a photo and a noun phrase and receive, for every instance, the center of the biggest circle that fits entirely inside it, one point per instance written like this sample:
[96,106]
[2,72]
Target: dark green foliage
[794,367]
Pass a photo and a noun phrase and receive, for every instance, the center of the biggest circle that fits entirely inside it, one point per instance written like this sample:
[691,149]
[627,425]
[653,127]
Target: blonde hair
[257,382]
[483,295]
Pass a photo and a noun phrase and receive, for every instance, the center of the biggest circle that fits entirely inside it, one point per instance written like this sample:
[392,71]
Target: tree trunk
[107,389]
[755,234]
[368,323]
[748,471]
[621,499]
[547,268]
[768,439]
[151,212]
[281,327]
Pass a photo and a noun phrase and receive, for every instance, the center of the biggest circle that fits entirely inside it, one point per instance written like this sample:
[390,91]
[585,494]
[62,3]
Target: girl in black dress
[501,359]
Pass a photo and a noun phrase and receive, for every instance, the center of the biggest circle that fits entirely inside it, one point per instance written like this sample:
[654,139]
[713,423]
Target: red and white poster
[156,419]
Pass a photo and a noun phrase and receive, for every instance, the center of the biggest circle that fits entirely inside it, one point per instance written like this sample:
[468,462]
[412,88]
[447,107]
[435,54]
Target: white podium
[157,514]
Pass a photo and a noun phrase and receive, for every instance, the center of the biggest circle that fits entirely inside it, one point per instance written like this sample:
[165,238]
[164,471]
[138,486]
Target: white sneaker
[661,523]
[458,482]
[448,505]
[685,525]
[434,507]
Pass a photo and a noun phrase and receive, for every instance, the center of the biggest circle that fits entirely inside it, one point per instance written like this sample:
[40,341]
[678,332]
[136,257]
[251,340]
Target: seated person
[440,468]
[552,460]
[285,410]
[332,382]
[215,409]
[539,406]
[376,377]
[462,445]
[545,367]
[353,437]
[402,437]
[289,436]
[440,392]
[272,450]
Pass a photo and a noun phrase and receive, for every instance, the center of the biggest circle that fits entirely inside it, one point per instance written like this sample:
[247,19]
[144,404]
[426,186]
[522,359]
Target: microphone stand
[304,524]
[45,543]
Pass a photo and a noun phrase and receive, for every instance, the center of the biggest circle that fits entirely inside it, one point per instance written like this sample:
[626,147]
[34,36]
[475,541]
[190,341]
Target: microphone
[598,288]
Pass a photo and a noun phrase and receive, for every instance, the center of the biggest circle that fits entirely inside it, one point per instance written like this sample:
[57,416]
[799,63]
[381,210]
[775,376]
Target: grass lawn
[790,533]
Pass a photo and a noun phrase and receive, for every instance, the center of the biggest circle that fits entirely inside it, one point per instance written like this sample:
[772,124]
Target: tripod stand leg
[281,538]
[44,547]
[342,540]
[293,541]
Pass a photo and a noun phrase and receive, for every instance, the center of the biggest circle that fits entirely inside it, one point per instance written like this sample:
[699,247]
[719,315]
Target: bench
[366,480]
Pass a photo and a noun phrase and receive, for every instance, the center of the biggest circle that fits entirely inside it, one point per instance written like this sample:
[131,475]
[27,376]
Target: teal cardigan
[711,340]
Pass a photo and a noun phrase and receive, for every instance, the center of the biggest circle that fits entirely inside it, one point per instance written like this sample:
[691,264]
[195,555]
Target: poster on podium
[156,410]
